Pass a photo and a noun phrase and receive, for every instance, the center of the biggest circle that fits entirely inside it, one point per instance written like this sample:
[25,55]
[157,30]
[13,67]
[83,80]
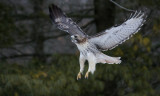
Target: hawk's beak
[72,37]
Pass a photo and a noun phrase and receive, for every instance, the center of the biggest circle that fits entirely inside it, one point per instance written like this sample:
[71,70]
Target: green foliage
[134,77]
[7,26]
[10,30]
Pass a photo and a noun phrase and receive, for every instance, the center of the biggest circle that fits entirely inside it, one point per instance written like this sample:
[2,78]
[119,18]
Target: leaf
[146,41]
[135,47]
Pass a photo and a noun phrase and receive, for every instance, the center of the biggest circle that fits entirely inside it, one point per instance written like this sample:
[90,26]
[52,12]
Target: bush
[59,78]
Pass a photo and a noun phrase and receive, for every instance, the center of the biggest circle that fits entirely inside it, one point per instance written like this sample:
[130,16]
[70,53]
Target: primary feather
[63,22]
[116,35]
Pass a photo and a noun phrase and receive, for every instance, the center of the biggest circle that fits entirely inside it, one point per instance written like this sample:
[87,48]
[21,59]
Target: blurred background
[37,59]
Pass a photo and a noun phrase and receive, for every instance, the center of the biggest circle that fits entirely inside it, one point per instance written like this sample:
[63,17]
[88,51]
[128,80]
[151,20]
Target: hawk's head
[78,39]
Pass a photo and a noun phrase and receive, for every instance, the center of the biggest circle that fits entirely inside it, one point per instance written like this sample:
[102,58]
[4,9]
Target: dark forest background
[37,59]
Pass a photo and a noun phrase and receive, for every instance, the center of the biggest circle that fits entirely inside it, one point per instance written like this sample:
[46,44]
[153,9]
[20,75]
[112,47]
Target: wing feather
[63,22]
[116,35]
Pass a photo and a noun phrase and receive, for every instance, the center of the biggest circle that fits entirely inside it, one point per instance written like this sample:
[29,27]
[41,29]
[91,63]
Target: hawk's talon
[87,74]
[79,75]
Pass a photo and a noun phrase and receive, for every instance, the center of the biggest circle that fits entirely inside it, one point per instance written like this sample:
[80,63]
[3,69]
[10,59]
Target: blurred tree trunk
[105,14]
[38,34]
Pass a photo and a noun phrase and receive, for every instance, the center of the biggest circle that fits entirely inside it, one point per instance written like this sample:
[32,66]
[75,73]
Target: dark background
[37,59]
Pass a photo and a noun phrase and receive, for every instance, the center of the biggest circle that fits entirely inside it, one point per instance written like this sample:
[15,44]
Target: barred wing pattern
[63,22]
[116,35]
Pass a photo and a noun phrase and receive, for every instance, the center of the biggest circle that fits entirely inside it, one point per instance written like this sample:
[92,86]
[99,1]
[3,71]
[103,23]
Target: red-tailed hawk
[90,47]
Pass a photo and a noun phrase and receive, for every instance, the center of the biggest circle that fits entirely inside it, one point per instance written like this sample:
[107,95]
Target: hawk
[90,47]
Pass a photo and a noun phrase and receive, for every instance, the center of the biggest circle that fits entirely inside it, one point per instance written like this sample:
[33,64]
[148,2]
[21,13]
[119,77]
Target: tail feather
[113,60]
[108,59]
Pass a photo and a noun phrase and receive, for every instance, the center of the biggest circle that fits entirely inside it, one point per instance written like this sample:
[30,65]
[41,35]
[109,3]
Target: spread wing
[63,22]
[116,35]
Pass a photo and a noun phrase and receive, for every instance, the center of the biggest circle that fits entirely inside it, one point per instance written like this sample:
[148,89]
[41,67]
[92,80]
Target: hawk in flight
[90,47]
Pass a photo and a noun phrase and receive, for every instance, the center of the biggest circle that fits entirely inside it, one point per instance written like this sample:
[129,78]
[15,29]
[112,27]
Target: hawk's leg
[91,69]
[92,64]
[81,62]
[86,75]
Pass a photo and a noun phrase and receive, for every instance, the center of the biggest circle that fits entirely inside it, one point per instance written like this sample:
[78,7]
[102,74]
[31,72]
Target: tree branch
[90,22]
[22,55]
[122,6]
[53,37]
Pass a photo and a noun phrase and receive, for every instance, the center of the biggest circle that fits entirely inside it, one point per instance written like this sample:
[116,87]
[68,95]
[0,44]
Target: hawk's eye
[75,36]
